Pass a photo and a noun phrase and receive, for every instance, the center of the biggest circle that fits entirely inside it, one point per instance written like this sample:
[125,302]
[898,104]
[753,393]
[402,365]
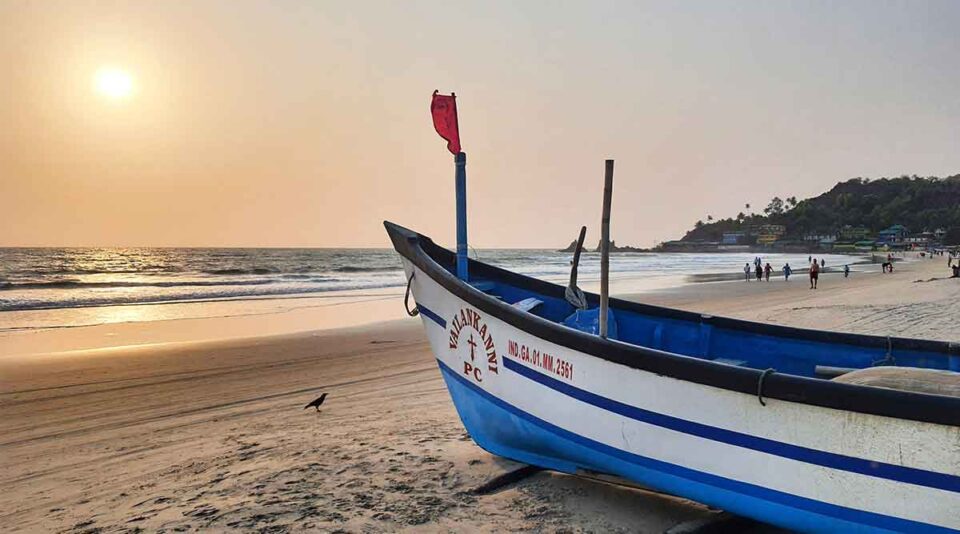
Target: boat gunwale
[922,407]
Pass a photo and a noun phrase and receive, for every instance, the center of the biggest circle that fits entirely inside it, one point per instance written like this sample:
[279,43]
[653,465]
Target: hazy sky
[307,123]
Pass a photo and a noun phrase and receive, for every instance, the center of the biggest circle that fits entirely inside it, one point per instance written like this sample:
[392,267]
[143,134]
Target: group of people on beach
[762,271]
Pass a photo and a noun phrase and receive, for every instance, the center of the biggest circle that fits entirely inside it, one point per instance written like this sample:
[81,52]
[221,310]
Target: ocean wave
[237,295]
[148,270]
[257,270]
[77,284]
[360,269]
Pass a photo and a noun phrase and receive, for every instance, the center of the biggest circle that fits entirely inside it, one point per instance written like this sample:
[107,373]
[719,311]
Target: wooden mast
[605,247]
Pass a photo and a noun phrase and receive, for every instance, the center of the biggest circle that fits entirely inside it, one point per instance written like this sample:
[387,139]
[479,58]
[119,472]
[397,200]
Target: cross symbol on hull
[473,347]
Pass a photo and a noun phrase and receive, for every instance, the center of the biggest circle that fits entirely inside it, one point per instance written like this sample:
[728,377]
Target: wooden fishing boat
[725,412]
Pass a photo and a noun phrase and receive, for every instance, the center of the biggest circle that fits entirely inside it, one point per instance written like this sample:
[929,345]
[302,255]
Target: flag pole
[461,179]
[443,108]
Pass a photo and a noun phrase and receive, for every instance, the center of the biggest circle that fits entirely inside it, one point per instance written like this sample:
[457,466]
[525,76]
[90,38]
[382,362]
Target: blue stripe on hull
[507,431]
[432,315]
[862,466]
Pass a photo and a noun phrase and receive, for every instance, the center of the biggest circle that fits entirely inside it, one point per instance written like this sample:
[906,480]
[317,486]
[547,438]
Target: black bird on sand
[317,402]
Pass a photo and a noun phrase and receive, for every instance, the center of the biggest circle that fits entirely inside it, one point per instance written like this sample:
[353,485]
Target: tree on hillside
[775,207]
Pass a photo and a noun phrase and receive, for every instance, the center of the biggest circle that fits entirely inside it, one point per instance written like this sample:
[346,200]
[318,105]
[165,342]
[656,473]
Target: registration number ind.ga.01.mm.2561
[537,358]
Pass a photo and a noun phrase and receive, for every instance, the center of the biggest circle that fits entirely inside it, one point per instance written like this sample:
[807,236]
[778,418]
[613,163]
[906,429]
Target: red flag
[444,111]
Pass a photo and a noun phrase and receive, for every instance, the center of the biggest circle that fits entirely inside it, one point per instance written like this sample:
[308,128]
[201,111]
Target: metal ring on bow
[406,300]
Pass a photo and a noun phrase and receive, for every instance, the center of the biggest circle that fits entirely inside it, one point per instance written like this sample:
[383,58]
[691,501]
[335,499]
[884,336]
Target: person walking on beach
[759,272]
[787,271]
[823,263]
[846,271]
[814,274]
[746,271]
[767,270]
[809,259]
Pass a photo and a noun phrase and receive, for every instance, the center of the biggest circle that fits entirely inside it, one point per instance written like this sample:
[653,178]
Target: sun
[113,83]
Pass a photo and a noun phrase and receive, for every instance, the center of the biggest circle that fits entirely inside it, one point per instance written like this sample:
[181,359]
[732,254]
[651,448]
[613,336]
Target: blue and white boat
[725,412]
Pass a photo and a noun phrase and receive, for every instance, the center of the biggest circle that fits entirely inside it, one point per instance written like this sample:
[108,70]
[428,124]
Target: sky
[306,123]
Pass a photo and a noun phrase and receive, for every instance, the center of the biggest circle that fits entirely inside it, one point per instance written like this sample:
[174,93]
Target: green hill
[920,204]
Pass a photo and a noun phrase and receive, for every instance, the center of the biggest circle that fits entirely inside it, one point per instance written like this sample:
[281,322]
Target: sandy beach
[212,435]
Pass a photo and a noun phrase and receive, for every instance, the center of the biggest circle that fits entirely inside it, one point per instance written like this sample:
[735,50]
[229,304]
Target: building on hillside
[854,233]
[768,233]
[734,238]
[923,240]
[894,235]
[825,240]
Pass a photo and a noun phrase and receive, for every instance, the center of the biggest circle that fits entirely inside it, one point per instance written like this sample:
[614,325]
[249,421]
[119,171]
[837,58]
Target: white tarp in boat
[932,381]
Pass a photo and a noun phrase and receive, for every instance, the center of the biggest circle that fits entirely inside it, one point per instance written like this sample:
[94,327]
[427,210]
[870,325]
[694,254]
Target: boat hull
[799,466]
[501,429]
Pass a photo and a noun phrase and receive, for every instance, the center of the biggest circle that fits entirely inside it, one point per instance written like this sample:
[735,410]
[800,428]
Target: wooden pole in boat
[605,248]
[461,160]
[576,257]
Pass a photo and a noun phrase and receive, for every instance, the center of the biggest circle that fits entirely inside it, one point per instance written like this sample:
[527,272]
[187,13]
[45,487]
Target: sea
[51,279]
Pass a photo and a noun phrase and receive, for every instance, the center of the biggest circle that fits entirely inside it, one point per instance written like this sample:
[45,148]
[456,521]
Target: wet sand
[213,435]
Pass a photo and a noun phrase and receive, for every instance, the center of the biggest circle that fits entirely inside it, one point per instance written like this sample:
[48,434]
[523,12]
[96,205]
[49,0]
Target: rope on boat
[888,359]
[406,299]
[763,375]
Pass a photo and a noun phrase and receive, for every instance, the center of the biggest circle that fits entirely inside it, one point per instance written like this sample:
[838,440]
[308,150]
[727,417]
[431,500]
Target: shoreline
[131,324]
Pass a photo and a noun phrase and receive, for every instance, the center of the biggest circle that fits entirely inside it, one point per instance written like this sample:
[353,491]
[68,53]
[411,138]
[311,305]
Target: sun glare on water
[113,83]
